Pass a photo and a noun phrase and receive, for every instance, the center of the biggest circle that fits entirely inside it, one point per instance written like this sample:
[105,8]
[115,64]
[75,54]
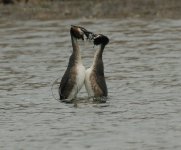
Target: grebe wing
[102,84]
[66,84]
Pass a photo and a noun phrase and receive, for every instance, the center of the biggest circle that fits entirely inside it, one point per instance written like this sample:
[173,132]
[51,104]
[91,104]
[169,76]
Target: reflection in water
[143,73]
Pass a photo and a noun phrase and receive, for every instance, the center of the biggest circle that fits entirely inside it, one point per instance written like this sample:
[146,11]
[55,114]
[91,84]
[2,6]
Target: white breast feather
[88,82]
[79,81]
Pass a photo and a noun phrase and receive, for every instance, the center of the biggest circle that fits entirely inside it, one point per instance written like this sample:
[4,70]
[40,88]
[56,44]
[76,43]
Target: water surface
[142,68]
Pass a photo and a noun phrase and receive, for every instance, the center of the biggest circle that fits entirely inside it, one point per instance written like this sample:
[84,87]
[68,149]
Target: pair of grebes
[76,75]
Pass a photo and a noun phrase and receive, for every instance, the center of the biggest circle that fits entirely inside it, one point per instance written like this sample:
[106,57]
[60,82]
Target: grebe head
[100,39]
[79,32]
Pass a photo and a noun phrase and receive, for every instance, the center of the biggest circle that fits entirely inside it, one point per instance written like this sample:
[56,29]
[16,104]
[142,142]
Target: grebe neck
[98,54]
[98,65]
[76,50]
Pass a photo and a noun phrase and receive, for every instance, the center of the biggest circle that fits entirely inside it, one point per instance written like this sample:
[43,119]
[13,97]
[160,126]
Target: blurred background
[49,9]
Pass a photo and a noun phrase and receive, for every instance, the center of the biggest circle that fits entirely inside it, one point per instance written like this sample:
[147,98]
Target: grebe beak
[88,34]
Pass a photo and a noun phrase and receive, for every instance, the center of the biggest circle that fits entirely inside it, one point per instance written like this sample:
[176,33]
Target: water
[143,74]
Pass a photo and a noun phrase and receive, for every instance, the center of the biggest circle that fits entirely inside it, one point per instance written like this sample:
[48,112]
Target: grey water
[142,66]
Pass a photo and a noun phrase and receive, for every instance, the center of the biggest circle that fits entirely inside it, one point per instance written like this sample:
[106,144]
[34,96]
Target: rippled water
[143,74]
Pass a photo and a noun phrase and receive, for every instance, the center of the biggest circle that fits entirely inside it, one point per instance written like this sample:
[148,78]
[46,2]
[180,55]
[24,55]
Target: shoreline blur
[72,9]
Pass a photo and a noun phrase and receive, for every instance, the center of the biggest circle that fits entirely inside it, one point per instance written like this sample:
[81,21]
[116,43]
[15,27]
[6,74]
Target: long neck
[98,65]
[76,50]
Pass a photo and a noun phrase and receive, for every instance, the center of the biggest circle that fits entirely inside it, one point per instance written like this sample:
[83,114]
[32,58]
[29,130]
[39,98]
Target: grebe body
[73,78]
[94,77]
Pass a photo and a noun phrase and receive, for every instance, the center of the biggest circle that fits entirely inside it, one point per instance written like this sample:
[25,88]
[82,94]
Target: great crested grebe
[94,79]
[73,78]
